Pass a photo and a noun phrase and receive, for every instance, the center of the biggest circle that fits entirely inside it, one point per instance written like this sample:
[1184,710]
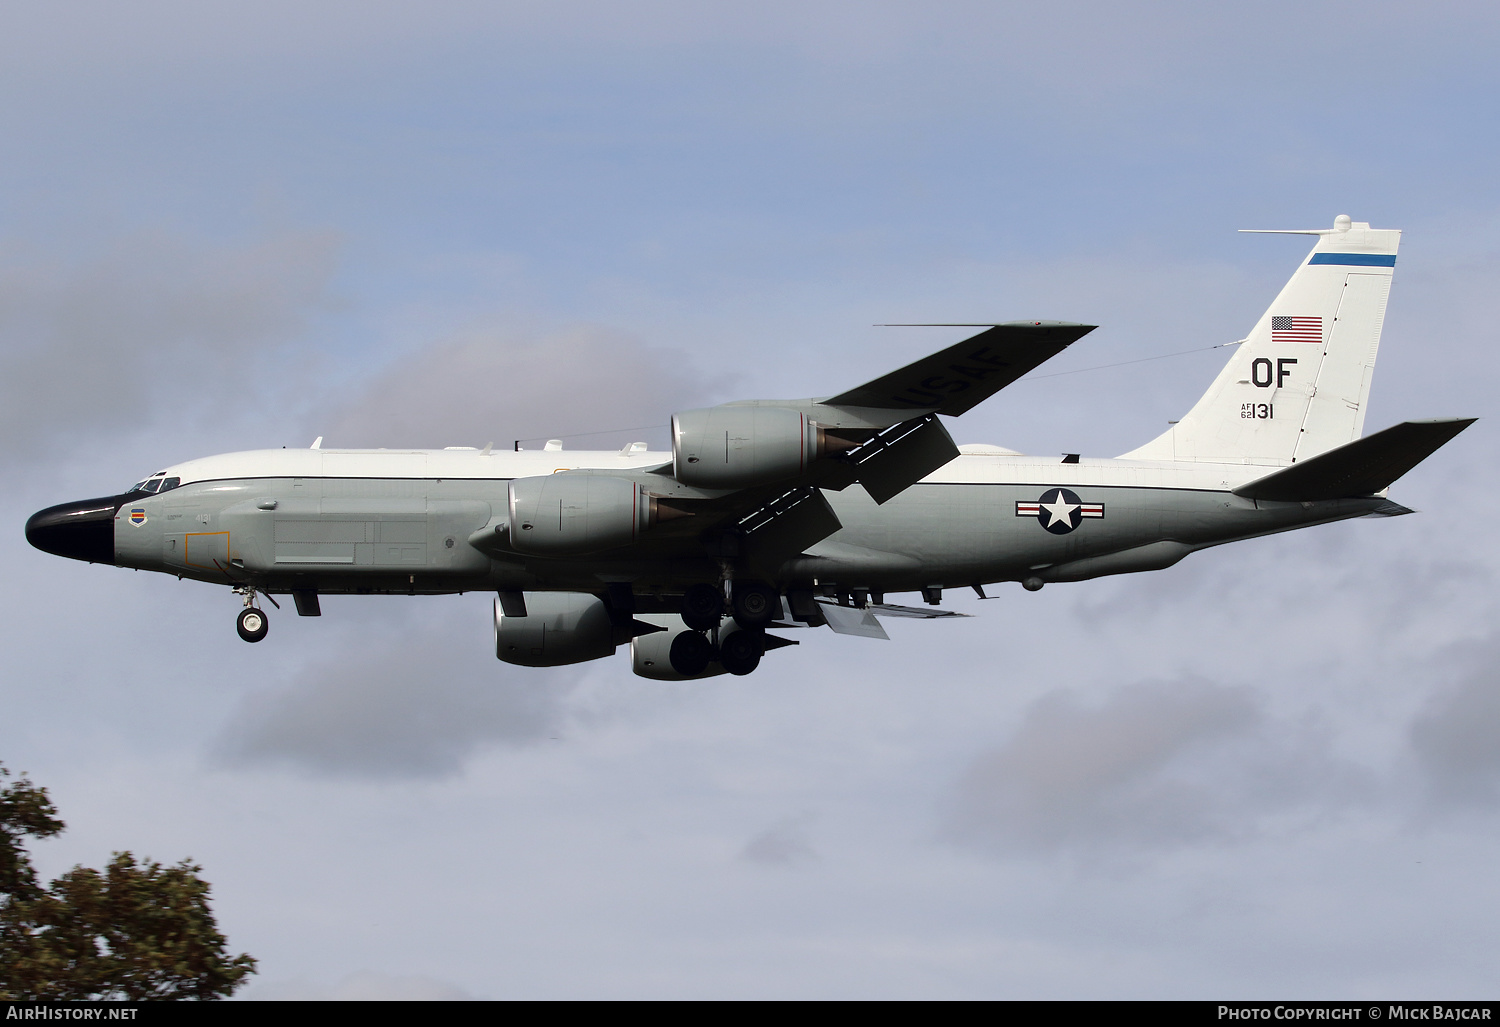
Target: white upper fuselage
[975,465]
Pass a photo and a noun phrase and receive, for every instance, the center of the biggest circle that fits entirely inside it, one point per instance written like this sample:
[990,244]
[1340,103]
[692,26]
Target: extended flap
[902,456]
[849,620]
[788,524]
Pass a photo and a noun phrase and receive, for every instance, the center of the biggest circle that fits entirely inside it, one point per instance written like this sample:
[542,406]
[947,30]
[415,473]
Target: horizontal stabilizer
[959,378]
[1360,468]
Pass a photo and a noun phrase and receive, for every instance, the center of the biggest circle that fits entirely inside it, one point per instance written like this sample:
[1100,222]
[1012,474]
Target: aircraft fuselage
[370,522]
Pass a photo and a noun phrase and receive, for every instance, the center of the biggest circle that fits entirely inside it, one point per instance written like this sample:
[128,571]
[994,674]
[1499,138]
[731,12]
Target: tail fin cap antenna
[1342,223]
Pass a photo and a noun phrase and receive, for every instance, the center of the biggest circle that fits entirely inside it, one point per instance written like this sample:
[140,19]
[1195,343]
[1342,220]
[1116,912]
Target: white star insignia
[1060,509]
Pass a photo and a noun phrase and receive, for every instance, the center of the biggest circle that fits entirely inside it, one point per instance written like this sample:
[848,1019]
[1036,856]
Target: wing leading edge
[955,380]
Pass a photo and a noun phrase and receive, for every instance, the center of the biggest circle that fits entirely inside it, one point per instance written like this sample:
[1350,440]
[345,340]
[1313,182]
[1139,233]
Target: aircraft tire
[690,654]
[702,606]
[740,653]
[252,624]
[755,605]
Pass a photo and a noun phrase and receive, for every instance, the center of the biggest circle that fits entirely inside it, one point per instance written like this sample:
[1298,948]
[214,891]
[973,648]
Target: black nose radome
[80,531]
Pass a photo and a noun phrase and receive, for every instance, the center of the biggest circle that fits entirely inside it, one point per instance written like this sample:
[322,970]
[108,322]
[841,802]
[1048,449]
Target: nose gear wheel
[252,624]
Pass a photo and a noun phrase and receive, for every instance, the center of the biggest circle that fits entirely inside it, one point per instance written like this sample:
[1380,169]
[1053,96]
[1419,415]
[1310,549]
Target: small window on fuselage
[169,484]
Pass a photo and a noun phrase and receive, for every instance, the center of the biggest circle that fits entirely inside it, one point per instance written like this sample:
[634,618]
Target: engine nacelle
[559,628]
[650,655]
[576,513]
[732,447]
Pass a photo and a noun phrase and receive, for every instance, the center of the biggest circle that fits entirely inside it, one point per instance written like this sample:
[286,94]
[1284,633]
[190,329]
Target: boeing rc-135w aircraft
[774,514]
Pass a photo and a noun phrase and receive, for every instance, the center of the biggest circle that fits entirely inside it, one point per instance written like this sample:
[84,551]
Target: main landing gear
[702,608]
[738,653]
[753,606]
[252,623]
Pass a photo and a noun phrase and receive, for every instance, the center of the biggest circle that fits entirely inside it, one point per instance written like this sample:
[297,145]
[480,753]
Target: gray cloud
[782,844]
[416,704]
[157,324]
[1154,765]
[490,385]
[265,39]
[1456,736]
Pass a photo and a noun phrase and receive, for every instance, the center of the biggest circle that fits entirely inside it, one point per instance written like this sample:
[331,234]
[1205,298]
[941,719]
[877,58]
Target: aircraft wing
[884,435]
[955,380]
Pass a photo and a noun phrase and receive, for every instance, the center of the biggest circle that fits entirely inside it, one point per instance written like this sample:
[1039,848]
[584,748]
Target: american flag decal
[1297,329]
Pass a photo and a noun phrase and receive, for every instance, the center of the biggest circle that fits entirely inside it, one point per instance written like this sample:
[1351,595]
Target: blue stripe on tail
[1357,259]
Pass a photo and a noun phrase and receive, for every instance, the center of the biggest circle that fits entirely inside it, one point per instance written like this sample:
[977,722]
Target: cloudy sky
[1273,770]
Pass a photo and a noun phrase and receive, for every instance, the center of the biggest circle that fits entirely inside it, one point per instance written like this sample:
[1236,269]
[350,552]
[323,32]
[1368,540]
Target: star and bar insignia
[1059,510]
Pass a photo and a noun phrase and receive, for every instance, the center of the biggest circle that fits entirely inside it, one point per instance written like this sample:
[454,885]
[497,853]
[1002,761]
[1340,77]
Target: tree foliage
[134,931]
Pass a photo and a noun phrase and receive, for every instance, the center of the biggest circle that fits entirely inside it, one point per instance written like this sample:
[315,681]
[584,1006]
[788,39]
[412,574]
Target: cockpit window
[158,482]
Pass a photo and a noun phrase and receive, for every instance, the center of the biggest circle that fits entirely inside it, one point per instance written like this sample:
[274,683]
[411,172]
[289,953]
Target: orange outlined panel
[206,550]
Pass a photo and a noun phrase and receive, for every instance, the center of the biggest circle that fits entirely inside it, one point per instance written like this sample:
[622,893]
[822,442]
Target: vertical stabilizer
[1299,383]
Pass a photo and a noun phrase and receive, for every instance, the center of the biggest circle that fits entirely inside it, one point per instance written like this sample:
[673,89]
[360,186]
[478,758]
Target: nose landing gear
[252,623]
